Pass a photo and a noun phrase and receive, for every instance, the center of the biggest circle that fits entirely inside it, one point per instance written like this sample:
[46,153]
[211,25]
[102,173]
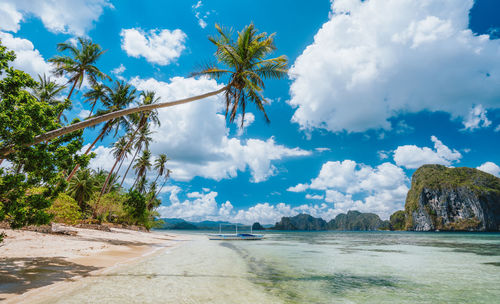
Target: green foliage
[65,210]
[245,64]
[110,208]
[135,204]
[397,220]
[438,177]
[22,117]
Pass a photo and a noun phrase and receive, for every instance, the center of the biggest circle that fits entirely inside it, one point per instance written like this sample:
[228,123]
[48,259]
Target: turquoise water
[309,267]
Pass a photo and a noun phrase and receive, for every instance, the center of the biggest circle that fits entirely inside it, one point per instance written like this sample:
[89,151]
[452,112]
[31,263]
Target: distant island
[440,199]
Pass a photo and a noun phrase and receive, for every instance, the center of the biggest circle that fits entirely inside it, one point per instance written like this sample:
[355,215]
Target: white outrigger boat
[235,236]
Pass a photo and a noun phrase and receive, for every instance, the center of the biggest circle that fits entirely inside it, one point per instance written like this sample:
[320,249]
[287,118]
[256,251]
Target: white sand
[25,257]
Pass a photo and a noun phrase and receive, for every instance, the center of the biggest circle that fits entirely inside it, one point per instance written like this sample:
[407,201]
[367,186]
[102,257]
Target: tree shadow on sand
[19,275]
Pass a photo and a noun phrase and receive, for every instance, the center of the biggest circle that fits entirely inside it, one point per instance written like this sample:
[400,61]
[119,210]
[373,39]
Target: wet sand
[33,264]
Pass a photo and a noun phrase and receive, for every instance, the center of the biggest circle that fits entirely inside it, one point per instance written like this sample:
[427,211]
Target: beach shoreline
[37,264]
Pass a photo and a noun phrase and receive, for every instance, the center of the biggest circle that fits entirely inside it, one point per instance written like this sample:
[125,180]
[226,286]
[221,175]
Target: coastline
[35,264]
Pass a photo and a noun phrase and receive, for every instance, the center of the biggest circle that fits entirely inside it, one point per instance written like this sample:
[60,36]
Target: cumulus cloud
[195,135]
[28,59]
[380,189]
[315,197]
[367,64]
[9,17]
[490,168]
[477,119]
[298,188]
[58,16]
[161,47]
[412,157]
[204,206]
[249,119]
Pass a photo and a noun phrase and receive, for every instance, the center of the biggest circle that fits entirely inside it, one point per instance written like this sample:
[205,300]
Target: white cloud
[298,188]
[412,157]
[491,168]
[28,59]
[204,206]
[497,129]
[9,17]
[321,149]
[157,46]
[84,114]
[367,65]
[477,119]
[198,14]
[380,189]
[249,119]
[315,197]
[118,70]
[195,135]
[58,16]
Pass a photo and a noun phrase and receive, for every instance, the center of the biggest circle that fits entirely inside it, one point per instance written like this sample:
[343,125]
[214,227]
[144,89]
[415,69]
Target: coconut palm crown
[81,63]
[244,64]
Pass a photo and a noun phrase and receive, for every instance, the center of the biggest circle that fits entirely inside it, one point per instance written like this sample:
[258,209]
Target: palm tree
[81,63]
[141,141]
[141,184]
[142,165]
[82,187]
[120,150]
[244,66]
[47,90]
[113,99]
[159,166]
[121,96]
[142,121]
[98,92]
[165,178]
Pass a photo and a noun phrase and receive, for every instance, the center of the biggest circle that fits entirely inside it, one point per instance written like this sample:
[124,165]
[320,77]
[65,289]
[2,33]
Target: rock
[301,222]
[453,199]
[357,221]
[397,220]
[257,226]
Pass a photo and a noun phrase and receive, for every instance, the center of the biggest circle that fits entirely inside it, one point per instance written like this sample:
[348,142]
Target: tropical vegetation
[44,166]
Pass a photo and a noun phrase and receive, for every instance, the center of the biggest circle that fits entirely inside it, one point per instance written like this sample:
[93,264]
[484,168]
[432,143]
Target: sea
[307,267]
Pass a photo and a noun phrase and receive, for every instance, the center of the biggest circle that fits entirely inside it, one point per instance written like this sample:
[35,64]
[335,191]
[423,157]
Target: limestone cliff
[455,199]
[301,222]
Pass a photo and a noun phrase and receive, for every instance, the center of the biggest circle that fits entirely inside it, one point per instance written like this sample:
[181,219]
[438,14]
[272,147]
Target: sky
[376,88]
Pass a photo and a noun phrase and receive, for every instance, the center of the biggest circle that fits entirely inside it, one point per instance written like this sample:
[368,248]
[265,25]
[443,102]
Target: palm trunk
[107,180]
[92,109]
[69,96]
[162,185]
[97,120]
[86,153]
[128,168]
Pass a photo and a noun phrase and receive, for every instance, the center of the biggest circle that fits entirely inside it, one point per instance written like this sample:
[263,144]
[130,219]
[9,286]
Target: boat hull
[235,237]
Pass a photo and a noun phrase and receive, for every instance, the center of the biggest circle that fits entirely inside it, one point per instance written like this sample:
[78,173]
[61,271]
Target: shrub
[65,210]
[110,207]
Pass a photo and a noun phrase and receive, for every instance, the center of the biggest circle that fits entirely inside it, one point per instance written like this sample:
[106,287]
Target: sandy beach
[33,263]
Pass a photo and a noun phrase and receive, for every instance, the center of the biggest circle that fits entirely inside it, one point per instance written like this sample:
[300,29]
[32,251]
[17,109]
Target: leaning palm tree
[142,165]
[82,187]
[142,140]
[80,63]
[244,67]
[113,99]
[160,165]
[121,96]
[93,96]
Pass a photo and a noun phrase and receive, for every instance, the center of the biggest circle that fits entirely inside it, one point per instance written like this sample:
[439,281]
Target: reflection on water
[311,267]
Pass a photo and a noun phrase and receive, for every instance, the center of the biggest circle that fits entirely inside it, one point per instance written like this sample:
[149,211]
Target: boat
[235,236]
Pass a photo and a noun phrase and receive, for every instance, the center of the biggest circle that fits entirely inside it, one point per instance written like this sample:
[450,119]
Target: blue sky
[376,89]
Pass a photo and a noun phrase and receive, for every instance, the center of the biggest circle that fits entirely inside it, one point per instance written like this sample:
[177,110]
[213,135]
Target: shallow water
[310,267]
